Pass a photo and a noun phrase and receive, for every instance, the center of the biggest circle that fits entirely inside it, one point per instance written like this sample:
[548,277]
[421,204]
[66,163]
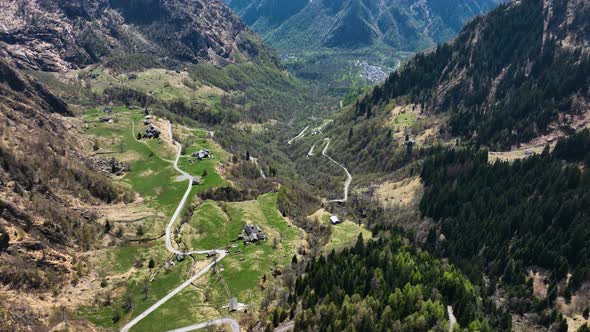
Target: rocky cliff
[62,34]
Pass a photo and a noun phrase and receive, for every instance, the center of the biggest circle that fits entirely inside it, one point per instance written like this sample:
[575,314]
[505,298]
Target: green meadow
[212,225]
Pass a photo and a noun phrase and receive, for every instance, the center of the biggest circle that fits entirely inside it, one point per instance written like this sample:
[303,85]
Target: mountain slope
[56,35]
[407,25]
[513,76]
[46,189]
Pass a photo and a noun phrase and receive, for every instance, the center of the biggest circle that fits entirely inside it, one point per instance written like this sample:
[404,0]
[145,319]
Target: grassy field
[133,288]
[212,225]
[150,172]
[282,242]
[240,273]
[152,176]
[217,225]
[342,235]
[404,120]
[160,83]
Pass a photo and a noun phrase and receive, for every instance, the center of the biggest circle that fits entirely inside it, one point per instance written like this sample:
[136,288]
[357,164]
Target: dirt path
[310,153]
[255,161]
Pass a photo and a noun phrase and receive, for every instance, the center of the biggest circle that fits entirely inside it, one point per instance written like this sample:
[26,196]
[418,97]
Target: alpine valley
[295,165]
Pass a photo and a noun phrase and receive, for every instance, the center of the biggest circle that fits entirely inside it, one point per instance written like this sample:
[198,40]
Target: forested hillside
[386,285]
[518,73]
[503,219]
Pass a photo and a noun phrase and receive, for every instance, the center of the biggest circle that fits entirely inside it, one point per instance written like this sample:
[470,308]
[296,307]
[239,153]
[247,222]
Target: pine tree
[151,263]
[4,239]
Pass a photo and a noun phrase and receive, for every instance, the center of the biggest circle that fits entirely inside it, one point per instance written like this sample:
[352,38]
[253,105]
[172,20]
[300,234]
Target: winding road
[220,255]
[348,175]
[452,318]
[228,321]
[300,135]
[310,153]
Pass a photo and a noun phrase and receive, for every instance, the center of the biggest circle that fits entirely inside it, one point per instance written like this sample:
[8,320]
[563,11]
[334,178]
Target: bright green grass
[210,180]
[259,259]
[190,306]
[162,285]
[241,276]
[403,120]
[345,235]
[123,258]
[153,177]
[151,174]
[214,228]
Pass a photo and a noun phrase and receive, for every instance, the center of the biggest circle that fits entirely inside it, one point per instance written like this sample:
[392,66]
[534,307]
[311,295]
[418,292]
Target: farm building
[202,154]
[233,304]
[197,180]
[252,234]
[334,220]
[151,132]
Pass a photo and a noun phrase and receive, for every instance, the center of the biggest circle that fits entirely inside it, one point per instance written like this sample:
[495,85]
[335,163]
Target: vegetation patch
[342,235]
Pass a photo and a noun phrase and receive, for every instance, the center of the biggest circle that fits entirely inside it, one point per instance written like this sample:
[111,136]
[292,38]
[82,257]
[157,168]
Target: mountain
[407,25]
[517,75]
[479,148]
[57,35]
[46,188]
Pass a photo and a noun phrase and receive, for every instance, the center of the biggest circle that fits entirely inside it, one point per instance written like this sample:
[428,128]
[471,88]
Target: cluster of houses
[151,132]
[251,234]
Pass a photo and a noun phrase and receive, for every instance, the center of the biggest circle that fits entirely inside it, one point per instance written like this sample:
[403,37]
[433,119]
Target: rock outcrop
[62,34]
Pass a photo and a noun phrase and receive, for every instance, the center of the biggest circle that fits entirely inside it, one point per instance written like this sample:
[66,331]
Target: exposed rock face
[108,166]
[18,89]
[54,35]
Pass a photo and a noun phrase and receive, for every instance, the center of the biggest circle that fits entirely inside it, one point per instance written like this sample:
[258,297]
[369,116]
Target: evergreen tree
[4,239]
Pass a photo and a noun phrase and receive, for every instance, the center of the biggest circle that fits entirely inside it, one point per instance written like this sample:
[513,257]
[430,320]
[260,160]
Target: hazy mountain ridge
[407,25]
[56,35]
